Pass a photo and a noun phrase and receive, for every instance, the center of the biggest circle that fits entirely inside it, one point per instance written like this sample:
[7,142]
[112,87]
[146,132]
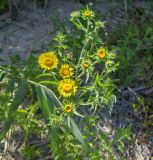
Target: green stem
[83,49]
[81,55]
[83,28]
[58,50]
[79,76]
[91,48]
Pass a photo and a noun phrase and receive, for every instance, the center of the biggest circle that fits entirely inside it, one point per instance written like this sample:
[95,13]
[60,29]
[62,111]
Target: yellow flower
[48,60]
[87,13]
[67,87]
[101,52]
[66,71]
[86,64]
[68,108]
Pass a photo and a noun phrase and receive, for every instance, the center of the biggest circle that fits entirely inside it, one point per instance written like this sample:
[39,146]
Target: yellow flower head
[68,108]
[101,52]
[48,60]
[86,64]
[66,71]
[67,87]
[87,13]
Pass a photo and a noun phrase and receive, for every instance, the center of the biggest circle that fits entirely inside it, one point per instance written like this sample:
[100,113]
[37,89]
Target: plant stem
[81,54]
[83,49]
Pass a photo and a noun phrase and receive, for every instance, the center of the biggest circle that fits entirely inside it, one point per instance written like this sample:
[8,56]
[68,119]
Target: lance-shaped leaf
[75,130]
[48,83]
[11,85]
[48,101]
[19,97]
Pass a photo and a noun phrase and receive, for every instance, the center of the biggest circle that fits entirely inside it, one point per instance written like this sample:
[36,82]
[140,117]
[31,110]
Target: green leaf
[2,76]
[87,76]
[77,24]
[10,86]
[47,98]
[48,101]
[48,82]
[68,121]
[22,112]
[120,148]
[45,75]
[75,130]
[19,97]
[78,114]
[90,88]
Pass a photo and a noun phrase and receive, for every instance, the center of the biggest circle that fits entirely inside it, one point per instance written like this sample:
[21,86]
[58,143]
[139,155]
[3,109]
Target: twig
[138,151]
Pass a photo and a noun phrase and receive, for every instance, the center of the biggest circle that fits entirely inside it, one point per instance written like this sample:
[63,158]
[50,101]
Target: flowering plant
[81,80]
[73,81]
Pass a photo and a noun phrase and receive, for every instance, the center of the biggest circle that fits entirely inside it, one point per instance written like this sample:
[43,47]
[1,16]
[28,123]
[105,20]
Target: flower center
[67,88]
[68,108]
[86,64]
[65,72]
[101,53]
[49,62]
[88,13]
